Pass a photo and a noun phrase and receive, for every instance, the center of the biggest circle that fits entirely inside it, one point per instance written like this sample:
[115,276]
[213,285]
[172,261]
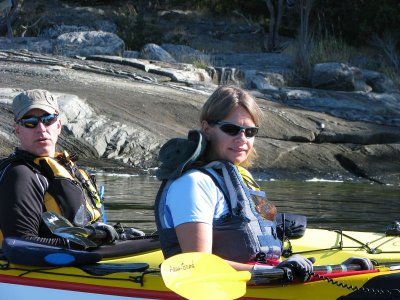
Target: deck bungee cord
[288,249]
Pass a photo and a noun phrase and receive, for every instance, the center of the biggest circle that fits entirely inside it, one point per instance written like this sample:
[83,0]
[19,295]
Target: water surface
[331,205]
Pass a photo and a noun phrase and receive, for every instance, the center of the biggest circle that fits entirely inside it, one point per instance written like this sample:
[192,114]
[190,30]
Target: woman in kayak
[209,202]
[215,206]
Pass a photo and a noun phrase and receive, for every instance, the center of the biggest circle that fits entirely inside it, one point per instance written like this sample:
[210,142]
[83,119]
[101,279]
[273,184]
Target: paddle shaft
[265,276]
[96,234]
[317,269]
[337,268]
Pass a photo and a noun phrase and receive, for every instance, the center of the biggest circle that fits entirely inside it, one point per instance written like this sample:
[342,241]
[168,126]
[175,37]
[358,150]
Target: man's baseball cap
[41,99]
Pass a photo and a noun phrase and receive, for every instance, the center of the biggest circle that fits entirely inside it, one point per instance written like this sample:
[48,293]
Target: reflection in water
[129,200]
[349,206]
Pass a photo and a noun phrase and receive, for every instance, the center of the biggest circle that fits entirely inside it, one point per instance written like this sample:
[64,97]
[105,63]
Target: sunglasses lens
[32,122]
[48,119]
[250,132]
[233,130]
[230,129]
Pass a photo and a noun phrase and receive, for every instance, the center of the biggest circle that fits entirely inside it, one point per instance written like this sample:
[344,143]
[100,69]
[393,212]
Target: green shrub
[201,64]
[328,48]
[356,21]
[136,32]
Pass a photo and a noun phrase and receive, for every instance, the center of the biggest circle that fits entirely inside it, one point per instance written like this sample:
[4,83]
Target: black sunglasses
[233,129]
[32,122]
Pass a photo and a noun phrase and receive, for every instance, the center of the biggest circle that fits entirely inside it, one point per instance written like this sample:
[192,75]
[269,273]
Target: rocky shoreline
[119,107]
[118,123]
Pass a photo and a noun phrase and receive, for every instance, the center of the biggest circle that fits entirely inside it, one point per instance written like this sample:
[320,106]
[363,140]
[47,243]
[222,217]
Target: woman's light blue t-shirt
[194,197]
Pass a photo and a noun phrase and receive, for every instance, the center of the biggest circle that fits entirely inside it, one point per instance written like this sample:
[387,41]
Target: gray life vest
[241,235]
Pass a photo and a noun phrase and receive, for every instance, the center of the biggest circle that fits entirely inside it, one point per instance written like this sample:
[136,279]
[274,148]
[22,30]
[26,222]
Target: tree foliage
[356,21]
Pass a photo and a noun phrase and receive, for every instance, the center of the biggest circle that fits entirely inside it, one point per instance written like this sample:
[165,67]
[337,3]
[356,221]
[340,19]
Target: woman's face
[223,146]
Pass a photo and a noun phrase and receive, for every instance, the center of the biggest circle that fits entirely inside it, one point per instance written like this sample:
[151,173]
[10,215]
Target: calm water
[332,205]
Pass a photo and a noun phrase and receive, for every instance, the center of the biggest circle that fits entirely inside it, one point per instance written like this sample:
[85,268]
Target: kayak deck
[333,246]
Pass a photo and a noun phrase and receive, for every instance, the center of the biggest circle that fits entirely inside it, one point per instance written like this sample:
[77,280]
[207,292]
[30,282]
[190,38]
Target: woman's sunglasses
[32,122]
[233,129]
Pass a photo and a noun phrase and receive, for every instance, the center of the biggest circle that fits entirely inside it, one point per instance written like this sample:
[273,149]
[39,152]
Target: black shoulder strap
[6,161]
[28,158]
[22,157]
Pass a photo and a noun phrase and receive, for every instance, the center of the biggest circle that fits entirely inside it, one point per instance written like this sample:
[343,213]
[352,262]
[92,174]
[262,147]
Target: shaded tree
[275,9]
[356,21]
[7,9]
[303,41]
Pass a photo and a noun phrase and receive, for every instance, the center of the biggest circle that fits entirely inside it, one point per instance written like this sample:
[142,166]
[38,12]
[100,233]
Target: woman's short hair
[224,100]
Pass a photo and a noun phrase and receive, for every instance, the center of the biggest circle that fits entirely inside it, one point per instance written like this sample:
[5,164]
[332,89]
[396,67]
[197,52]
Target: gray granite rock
[85,43]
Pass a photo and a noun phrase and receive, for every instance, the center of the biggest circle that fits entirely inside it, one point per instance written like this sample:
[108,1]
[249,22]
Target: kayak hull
[65,283]
[72,281]
[18,291]
[327,247]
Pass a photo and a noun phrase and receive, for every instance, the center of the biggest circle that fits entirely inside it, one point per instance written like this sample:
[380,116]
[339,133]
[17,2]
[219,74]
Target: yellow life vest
[263,206]
[71,192]
[248,179]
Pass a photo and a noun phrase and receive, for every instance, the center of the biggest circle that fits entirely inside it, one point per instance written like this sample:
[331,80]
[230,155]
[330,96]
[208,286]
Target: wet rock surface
[119,108]
[119,122]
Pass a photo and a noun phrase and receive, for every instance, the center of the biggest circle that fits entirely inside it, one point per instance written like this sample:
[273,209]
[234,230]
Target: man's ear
[16,128]
[59,126]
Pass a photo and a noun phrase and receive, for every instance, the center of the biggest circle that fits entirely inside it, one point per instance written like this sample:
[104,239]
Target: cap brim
[46,108]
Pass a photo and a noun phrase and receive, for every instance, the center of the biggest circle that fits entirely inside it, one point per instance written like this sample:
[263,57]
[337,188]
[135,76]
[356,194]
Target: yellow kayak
[134,272]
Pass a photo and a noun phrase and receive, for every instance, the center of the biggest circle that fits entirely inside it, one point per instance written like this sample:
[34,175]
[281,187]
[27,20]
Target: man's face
[40,140]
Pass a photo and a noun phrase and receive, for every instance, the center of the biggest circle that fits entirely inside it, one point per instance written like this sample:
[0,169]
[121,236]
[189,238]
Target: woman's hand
[363,262]
[299,265]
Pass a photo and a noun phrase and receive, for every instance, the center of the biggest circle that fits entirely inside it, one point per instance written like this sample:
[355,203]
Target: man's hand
[111,233]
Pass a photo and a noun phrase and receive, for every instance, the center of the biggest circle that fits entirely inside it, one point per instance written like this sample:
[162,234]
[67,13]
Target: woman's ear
[205,128]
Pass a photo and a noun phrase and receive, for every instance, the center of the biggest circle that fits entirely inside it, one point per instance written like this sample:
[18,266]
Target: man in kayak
[209,202]
[35,178]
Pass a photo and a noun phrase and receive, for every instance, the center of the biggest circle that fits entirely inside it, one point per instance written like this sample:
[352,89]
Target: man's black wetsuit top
[22,190]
